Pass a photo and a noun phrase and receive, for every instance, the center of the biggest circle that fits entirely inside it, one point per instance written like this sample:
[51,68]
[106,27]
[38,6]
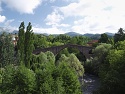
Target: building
[14,39]
[92,42]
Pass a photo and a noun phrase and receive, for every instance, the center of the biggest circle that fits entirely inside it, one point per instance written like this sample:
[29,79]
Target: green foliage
[120,45]
[119,36]
[50,57]
[49,80]
[7,78]
[44,82]
[80,40]
[63,58]
[112,73]
[81,57]
[28,45]
[104,38]
[6,49]
[24,81]
[89,66]
[38,74]
[21,41]
[74,63]
[40,41]
[61,38]
[100,53]
[56,44]
[70,80]
[18,80]
[25,44]
[58,81]
[64,51]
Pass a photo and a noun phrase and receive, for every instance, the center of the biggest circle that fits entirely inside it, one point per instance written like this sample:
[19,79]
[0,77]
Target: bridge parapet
[56,49]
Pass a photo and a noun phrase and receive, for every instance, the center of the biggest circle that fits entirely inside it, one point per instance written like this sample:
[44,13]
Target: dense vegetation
[25,73]
[109,63]
[22,72]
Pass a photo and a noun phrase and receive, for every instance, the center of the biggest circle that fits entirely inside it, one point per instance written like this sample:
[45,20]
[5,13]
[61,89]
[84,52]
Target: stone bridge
[56,49]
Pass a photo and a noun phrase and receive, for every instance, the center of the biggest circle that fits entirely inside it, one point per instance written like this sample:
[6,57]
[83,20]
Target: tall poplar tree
[28,45]
[20,43]
[25,43]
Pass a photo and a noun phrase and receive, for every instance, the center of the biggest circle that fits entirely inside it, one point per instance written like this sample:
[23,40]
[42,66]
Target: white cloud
[95,16]
[53,30]
[2,18]
[8,26]
[83,8]
[93,24]
[23,6]
[52,1]
[63,25]
[70,0]
[8,22]
[54,18]
[0,6]
[82,16]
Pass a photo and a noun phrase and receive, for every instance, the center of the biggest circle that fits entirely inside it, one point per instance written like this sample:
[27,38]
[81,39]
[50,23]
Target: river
[90,83]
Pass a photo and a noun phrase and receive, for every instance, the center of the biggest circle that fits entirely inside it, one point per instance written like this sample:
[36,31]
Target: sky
[61,16]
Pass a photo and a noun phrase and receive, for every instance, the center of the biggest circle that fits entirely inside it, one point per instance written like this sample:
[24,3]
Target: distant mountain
[73,34]
[93,36]
[15,32]
[110,34]
[45,34]
[88,35]
[97,36]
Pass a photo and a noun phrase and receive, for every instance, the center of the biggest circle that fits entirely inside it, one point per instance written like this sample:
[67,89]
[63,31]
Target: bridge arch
[56,49]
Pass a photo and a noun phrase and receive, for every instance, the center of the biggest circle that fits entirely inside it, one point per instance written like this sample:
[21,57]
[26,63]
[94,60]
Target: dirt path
[90,83]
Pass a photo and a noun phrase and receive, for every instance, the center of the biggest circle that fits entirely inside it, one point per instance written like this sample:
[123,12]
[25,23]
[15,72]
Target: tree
[21,41]
[25,44]
[18,80]
[112,73]
[119,36]
[24,81]
[6,49]
[28,45]
[58,81]
[40,41]
[50,57]
[100,53]
[74,63]
[71,83]
[104,38]
[7,78]
[64,51]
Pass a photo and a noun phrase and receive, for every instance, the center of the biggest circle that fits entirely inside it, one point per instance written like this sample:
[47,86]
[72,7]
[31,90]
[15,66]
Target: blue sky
[61,16]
